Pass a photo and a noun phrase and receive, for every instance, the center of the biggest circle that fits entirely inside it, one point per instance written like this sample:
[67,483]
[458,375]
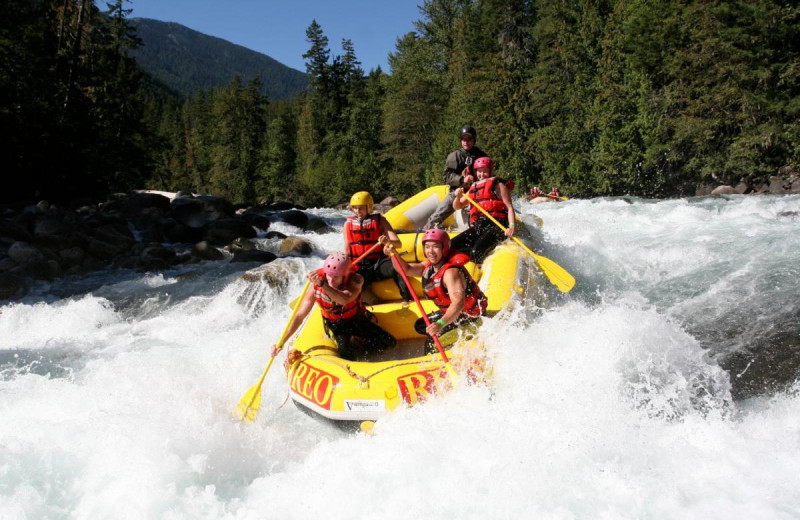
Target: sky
[278,28]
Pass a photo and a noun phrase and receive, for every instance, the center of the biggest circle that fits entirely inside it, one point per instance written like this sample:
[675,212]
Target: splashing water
[663,386]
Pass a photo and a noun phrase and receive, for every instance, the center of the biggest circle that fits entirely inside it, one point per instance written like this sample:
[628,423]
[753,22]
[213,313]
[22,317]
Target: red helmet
[484,162]
[337,264]
[438,235]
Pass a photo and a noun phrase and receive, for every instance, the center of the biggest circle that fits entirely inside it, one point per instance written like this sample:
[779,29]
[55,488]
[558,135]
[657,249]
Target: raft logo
[416,388]
[314,384]
[370,405]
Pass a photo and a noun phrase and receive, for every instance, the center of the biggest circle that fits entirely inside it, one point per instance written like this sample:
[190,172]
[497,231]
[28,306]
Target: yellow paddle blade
[248,405]
[247,408]
[367,427]
[557,275]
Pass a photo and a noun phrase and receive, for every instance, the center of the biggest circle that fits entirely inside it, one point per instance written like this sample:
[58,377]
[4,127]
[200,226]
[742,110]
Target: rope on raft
[346,367]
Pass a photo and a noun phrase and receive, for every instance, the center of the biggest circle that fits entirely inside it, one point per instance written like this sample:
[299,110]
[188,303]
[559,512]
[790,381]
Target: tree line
[597,97]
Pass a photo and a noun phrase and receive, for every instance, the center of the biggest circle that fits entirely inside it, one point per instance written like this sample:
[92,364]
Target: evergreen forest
[638,97]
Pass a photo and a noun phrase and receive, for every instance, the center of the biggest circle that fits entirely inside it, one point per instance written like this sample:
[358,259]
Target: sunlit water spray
[609,402]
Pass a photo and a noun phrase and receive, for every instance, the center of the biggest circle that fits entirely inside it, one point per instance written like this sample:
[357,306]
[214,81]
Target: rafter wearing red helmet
[447,282]
[337,291]
[362,230]
[493,194]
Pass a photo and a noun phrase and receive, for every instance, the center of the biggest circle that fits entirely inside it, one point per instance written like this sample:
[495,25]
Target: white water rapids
[608,403]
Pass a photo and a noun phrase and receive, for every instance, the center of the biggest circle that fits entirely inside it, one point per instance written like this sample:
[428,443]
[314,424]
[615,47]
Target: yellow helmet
[362,198]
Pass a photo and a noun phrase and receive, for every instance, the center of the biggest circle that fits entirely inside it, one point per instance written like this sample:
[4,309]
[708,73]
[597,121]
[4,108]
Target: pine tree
[197,130]
[237,136]
[279,181]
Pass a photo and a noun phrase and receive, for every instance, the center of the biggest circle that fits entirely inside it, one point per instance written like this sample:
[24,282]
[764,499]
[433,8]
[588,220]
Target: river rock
[53,224]
[279,205]
[47,270]
[11,285]
[742,187]
[257,220]
[270,274]
[293,217]
[253,255]
[178,232]
[275,234]
[724,190]
[317,225]
[296,246]
[134,204]
[72,256]
[150,224]
[145,231]
[198,211]
[109,242]
[223,231]
[206,251]
[777,185]
[23,253]
[11,229]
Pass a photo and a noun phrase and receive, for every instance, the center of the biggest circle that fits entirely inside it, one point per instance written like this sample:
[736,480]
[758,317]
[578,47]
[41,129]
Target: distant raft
[546,198]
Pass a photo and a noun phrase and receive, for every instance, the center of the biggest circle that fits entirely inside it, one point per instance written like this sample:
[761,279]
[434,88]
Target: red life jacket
[363,234]
[482,192]
[333,311]
[475,302]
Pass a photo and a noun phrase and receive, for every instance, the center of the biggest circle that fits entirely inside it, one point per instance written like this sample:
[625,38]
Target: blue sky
[278,28]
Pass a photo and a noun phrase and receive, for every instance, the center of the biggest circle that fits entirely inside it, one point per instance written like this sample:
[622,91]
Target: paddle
[557,275]
[556,197]
[354,264]
[250,402]
[399,267]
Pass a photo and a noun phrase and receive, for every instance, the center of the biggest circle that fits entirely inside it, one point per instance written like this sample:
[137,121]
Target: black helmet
[466,129]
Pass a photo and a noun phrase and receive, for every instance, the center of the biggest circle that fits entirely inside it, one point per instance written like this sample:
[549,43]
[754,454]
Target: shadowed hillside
[186,61]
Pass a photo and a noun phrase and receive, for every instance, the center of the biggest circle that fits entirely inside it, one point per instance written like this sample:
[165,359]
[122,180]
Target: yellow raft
[349,392]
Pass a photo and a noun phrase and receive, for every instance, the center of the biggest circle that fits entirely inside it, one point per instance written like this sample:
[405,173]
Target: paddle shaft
[257,391]
[557,275]
[402,271]
[365,254]
[279,345]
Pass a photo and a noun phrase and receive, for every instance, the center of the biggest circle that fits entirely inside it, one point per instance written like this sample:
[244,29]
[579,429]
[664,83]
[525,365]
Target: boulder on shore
[147,231]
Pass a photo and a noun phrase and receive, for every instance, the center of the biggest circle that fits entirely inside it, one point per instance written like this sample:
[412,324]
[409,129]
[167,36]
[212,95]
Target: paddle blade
[247,409]
[557,275]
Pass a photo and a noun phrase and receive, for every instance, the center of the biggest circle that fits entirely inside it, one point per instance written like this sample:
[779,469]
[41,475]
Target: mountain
[186,61]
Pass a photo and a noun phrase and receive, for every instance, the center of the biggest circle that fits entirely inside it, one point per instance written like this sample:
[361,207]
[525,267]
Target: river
[664,386]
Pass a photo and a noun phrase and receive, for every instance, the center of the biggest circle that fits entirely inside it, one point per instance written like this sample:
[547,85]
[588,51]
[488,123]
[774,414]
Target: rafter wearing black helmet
[457,170]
